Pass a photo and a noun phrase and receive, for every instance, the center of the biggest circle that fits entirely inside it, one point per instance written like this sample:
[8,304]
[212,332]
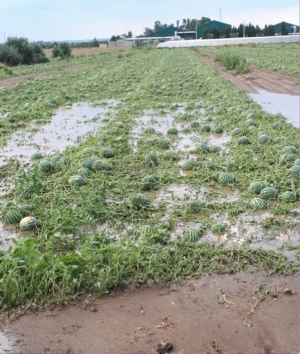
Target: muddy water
[65,129]
[5,344]
[287,105]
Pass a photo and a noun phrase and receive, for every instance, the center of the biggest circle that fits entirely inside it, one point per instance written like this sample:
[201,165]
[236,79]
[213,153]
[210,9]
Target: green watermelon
[237,131]
[195,124]
[56,158]
[36,156]
[140,201]
[206,128]
[203,147]
[189,165]
[193,207]
[286,159]
[214,149]
[297,162]
[108,152]
[218,228]
[148,183]
[226,178]
[171,155]
[250,122]
[191,235]
[28,223]
[243,140]
[268,193]
[263,139]
[25,209]
[101,165]
[289,149]
[76,181]
[45,166]
[295,171]
[172,131]
[163,144]
[88,152]
[64,161]
[288,196]
[256,187]
[83,172]
[149,130]
[12,216]
[258,203]
[218,130]
[151,159]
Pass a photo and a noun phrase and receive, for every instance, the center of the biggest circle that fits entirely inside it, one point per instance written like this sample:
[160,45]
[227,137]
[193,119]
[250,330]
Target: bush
[232,61]
[61,50]
[19,51]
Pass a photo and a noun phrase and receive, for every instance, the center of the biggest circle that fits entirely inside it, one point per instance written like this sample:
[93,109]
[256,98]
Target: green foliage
[19,51]
[61,50]
[283,29]
[233,62]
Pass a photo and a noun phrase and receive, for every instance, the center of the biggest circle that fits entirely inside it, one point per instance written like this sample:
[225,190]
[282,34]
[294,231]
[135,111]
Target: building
[221,26]
[166,32]
[289,26]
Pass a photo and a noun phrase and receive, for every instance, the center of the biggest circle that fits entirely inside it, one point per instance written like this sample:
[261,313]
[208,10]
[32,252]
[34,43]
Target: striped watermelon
[151,159]
[206,128]
[289,149]
[258,203]
[89,163]
[288,196]
[208,119]
[214,149]
[36,156]
[226,178]
[28,223]
[45,166]
[286,159]
[140,201]
[251,128]
[25,209]
[172,131]
[83,172]
[76,181]
[250,122]
[88,152]
[218,130]
[268,193]
[295,171]
[171,155]
[256,187]
[263,139]
[195,124]
[148,183]
[237,131]
[163,144]
[297,162]
[149,130]
[101,165]
[203,147]
[108,152]
[277,140]
[193,207]
[191,235]
[189,165]
[243,140]
[218,228]
[56,158]
[64,161]
[12,216]
[186,130]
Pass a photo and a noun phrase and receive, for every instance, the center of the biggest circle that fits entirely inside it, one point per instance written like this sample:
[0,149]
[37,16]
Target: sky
[58,20]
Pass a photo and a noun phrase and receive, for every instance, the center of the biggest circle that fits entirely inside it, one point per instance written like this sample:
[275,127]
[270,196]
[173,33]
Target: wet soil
[234,314]
[256,79]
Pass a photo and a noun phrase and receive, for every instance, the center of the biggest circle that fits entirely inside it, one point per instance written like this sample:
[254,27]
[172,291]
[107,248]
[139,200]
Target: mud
[233,314]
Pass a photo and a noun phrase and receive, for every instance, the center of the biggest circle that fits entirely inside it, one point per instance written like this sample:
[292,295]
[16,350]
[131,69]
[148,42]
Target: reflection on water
[274,103]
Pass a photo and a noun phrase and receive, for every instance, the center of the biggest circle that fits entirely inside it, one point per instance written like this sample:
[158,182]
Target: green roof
[289,27]
[210,25]
[166,32]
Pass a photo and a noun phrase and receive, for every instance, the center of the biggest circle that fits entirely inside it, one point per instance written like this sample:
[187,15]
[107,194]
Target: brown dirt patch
[257,78]
[214,314]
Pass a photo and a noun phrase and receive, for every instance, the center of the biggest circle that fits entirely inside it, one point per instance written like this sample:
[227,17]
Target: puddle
[219,140]
[64,130]
[5,343]
[6,236]
[275,103]
[247,229]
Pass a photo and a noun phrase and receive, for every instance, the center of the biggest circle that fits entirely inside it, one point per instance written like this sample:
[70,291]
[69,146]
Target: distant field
[90,51]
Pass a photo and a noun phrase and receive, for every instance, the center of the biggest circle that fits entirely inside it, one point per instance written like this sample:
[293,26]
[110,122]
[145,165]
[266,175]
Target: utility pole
[220,15]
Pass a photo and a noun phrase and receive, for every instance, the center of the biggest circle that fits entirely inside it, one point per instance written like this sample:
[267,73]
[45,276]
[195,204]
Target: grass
[76,249]
[233,62]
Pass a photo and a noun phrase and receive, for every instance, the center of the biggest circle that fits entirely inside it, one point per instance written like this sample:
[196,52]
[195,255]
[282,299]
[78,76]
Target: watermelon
[203,147]
[83,172]
[258,203]
[64,161]
[297,162]
[151,159]
[12,216]
[101,165]
[214,149]
[288,196]
[295,171]
[268,193]
[88,152]
[140,201]
[218,130]
[251,115]
[149,130]
[28,223]
[289,149]
[89,163]
[163,144]
[45,166]
[218,228]
[251,128]
[25,209]
[172,131]
[148,183]
[237,131]
[56,158]
[193,207]
[108,152]
[243,140]
[195,124]
[226,178]
[171,155]
[286,159]
[186,130]
[76,181]
[206,128]
[36,156]
[191,235]
[263,139]
[250,122]
[277,140]
[256,187]
[189,165]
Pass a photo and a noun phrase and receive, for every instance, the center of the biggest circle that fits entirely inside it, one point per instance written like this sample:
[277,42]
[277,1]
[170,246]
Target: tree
[61,50]
[283,30]
[177,23]
[129,34]
[269,30]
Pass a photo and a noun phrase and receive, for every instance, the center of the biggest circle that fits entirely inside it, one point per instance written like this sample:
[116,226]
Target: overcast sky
[86,19]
